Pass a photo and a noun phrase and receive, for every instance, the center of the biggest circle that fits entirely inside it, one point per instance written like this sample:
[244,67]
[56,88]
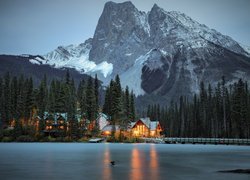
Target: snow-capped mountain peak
[158,52]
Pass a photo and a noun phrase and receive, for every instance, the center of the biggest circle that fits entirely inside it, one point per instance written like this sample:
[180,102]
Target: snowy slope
[76,57]
[132,77]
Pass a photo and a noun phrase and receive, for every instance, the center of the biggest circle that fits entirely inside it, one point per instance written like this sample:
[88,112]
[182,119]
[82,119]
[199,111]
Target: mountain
[160,55]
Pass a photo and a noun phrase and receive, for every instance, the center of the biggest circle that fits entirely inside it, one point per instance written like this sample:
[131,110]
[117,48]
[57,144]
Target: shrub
[83,139]
[8,132]
[67,139]
[25,138]
[7,139]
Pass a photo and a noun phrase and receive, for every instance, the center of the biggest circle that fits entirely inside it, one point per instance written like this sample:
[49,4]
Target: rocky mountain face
[158,54]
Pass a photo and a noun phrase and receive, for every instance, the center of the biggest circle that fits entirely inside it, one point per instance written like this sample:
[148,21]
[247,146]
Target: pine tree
[1,103]
[107,102]
[14,97]
[90,101]
[29,99]
[132,106]
[127,103]
[7,99]
[20,99]
[203,100]
[81,94]
[96,92]
[41,97]
[52,97]
[67,77]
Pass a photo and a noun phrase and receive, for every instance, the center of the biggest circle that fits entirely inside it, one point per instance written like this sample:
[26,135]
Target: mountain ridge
[156,53]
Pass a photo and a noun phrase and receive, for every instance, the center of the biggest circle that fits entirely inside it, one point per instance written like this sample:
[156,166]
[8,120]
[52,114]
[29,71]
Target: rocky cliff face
[159,53]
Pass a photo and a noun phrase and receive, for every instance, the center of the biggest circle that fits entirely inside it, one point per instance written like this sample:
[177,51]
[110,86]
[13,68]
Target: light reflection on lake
[136,164]
[153,163]
[40,161]
[106,160]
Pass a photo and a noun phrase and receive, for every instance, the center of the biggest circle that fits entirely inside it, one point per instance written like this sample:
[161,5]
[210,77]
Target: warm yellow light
[152,133]
[106,132]
[136,132]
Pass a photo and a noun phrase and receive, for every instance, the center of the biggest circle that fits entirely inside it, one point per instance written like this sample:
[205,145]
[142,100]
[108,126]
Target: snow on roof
[55,116]
[152,125]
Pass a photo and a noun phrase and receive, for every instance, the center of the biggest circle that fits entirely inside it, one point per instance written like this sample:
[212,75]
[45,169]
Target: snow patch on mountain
[132,77]
[34,61]
[37,60]
[77,57]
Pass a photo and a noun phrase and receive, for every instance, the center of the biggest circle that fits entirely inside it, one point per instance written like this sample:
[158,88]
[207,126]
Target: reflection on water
[106,168]
[153,163]
[144,164]
[136,164]
[64,161]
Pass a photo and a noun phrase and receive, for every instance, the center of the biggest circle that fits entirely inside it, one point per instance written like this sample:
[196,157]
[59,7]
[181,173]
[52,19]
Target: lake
[37,161]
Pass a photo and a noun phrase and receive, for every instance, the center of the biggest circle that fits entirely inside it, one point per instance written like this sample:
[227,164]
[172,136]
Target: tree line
[223,111]
[21,101]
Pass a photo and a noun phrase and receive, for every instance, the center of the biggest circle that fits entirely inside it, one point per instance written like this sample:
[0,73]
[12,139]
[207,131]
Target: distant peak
[113,4]
[155,7]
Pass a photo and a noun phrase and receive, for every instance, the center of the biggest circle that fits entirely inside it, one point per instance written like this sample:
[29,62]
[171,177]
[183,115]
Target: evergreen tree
[107,101]
[1,102]
[52,98]
[41,99]
[132,106]
[127,103]
[20,99]
[7,100]
[90,101]
[81,96]
[96,92]
[29,99]
[14,97]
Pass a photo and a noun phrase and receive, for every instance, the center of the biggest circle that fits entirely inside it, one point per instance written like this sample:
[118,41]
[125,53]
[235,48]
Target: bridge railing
[172,140]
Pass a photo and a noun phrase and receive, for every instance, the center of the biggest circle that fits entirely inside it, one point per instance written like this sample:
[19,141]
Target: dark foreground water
[133,161]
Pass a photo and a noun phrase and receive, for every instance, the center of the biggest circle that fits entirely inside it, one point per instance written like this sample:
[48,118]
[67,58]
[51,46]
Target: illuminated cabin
[144,127]
[55,124]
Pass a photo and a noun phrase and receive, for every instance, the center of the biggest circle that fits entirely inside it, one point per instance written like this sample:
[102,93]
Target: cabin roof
[152,125]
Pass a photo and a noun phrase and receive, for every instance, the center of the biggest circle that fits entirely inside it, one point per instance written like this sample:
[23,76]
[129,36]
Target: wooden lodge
[144,127]
[55,124]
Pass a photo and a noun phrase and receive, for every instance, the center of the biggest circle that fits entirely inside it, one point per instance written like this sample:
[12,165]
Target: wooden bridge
[226,141]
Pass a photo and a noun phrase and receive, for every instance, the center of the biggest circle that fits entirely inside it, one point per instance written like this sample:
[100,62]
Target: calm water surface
[25,161]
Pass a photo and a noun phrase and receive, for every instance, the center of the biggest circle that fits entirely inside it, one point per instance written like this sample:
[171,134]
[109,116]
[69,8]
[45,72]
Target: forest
[22,104]
[223,112]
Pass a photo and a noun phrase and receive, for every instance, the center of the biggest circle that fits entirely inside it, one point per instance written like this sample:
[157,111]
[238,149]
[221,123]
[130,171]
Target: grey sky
[39,26]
